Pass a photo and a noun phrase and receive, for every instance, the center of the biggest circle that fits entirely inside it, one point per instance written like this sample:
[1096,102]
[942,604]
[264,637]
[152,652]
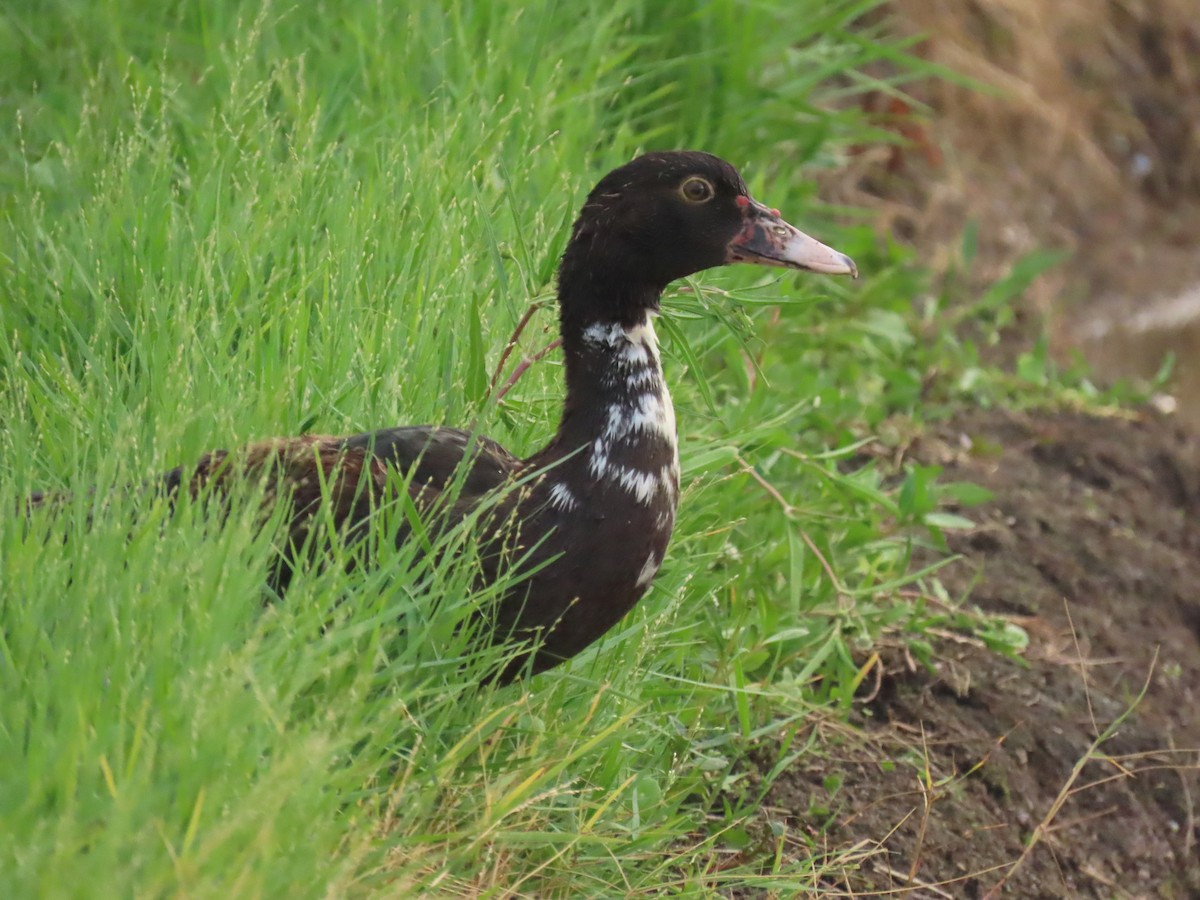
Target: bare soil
[951,781]
[1075,770]
[1083,139]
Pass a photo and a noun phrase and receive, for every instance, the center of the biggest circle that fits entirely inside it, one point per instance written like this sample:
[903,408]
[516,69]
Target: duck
[590,514]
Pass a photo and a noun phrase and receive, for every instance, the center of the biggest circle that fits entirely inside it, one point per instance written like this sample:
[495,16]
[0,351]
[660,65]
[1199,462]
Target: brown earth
[1075,770]
[1075,127]
[1091,544]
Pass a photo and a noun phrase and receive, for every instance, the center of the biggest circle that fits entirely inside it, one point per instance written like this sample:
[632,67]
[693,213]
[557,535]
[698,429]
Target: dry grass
[1084,133]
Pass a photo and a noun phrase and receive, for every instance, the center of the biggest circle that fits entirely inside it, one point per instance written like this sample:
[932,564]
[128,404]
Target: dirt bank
[1078,133]
[1091,544]
[1051,776]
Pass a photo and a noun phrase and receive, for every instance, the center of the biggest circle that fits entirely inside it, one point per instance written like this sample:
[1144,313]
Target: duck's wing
[430,457]
[344,479]
[307,472]
[434,456]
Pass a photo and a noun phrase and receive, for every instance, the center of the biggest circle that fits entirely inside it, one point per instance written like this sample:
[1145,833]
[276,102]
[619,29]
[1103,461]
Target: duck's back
[432,455]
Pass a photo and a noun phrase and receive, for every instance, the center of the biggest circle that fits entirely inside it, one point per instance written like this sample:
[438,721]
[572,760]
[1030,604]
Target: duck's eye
[697,190]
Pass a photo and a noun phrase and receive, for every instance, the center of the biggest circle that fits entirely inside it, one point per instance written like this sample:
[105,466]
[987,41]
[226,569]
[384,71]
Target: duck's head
[667,215]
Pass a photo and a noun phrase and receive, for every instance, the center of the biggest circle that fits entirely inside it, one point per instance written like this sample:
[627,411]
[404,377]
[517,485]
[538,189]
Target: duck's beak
[767,240]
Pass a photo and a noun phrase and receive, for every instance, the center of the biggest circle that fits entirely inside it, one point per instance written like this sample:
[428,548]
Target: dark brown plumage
[599,508]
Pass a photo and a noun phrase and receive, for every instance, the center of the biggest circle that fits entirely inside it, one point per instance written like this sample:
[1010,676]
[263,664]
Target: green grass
[224,221]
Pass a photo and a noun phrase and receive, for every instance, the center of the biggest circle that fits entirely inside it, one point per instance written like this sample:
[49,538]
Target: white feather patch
[603,334]
[654,413]
[598,464]
[562,498]
[670,477]
[637,345]
[639,379]
[649,570]
[644,409]
[643,485]
[650,412]
[643,333]
[635,354]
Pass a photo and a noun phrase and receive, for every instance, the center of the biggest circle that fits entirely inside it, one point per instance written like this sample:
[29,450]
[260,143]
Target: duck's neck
[618,425]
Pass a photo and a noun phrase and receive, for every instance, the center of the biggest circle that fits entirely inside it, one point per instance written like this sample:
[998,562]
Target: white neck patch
[639,415]
[635,347]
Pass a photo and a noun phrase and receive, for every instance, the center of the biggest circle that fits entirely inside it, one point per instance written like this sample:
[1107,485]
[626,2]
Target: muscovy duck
[596,506]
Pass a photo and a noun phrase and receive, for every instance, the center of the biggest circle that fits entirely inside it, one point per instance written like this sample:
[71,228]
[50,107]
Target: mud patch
[1092,544]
